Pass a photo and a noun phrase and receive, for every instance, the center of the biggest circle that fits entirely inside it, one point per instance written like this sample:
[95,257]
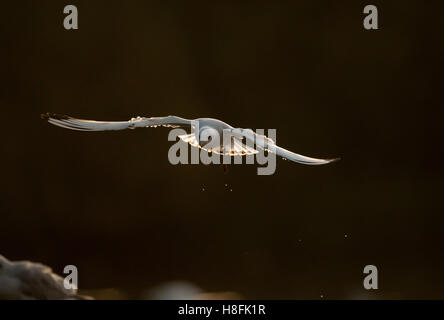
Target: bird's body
[202,129]
[214,123]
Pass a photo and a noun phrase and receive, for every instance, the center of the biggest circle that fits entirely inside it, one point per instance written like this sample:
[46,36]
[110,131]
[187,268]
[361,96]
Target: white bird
[205,127]
[24,280]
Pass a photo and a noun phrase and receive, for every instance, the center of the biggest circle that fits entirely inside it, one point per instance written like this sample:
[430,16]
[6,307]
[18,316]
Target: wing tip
[49,115]
[333,160]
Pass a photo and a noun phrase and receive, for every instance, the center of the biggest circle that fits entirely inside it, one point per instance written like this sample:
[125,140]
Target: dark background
[111,204]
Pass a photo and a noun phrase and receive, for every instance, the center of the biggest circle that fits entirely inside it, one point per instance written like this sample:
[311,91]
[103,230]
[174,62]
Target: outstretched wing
[286,154]
[91,125]
[268,144]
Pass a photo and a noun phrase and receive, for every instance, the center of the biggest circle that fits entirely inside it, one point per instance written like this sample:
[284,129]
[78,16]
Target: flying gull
[203,126]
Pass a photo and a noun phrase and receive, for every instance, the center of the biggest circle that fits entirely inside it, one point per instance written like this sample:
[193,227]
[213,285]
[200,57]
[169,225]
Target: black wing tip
[48,115]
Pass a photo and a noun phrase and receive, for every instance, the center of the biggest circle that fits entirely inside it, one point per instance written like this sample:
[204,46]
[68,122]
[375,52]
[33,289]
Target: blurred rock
[106,294]
[183,290]
[24,280]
